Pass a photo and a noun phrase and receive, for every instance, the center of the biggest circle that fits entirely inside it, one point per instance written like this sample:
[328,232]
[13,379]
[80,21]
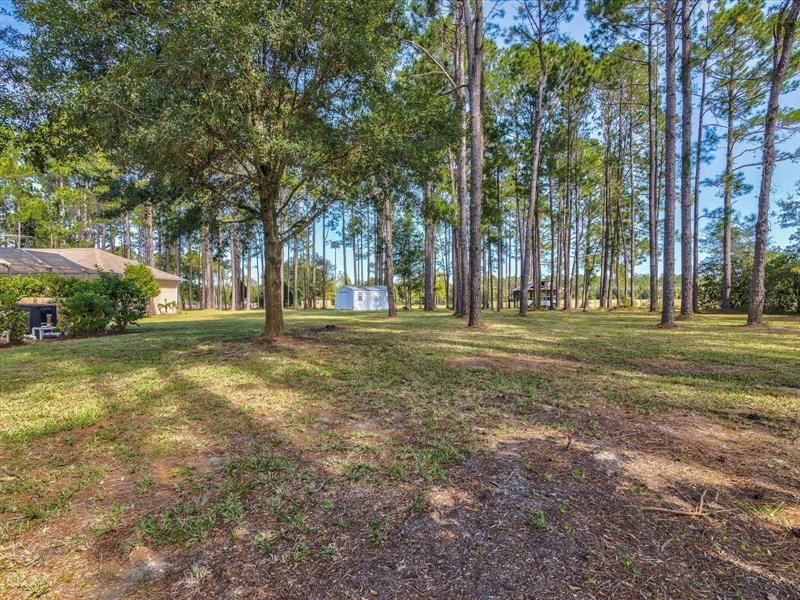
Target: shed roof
[364,288]
[73,262]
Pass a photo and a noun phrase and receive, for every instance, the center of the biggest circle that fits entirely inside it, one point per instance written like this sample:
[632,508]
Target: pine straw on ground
[545,458]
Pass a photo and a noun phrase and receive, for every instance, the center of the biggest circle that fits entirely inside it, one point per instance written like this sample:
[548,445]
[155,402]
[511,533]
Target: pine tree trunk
[652,174]
[531,224]
[727,207]
[208,273]
[784,42]
[313,261]
[429,299]
[499,246]
[461,258]
[474,31]
[696,198]
[235,275]
[324,265]
[686,161]
[388,243]
[249,274]
[344,246]
[149,258]
[668,303]
[126,235]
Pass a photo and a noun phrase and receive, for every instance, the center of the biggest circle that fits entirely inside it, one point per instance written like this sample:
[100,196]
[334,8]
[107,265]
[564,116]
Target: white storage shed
[362,297]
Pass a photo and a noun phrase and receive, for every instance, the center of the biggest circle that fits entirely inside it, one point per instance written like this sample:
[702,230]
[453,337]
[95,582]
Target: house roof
[75,262]
[364,288]
[21,261]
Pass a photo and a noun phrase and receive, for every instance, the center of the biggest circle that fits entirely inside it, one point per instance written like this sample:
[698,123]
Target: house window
[360,296]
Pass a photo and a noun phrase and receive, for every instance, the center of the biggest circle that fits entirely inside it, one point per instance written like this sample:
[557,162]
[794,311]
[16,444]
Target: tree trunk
[269,190]
[652,174]
[235,275]
[727,207]
[474,31]
[784,42]
[461,299]
[344,247]
[249,274]
[207,267]
[499,246]
[696,199]
[429,300]
[324,265]
[126,235]
[388,214]
[668,304]
[313,260]
[686,160]
[530,222]
[149,257]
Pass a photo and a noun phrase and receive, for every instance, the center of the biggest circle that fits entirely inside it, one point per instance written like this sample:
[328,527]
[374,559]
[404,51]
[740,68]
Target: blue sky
[786,173]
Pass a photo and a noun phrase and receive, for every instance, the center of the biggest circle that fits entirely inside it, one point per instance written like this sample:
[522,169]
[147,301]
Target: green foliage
[20,286]
[12,319]
[126,296]
[141,276]
[86,312]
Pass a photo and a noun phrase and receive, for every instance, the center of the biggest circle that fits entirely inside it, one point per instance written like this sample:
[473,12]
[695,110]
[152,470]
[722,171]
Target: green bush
[143,278]
[12,319]
[86,312]
[20,286]
[129,304]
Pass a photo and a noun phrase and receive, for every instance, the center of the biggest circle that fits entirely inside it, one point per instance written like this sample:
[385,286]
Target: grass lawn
[562,455]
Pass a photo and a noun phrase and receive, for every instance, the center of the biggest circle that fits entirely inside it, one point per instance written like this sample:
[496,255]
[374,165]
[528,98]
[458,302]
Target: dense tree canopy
[265,149]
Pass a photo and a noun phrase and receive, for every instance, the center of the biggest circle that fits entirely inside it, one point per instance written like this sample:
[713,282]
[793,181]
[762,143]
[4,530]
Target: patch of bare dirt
[624,506]
[513,362]
[653,366]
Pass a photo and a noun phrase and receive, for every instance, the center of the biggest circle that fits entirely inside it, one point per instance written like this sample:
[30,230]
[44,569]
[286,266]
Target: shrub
[12,319]
[20,286]
[142,277]
[86,312]
[128,302]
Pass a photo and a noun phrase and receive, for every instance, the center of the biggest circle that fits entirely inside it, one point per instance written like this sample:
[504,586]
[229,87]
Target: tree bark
[652,175]
[474,31]
[344,247]
[126,234]
[429,300]
[696,199]
[686,160]
[783,44]
[530,221]
[388,242]
[727,206]
[249,274]
[461,300]
[668,304]
[324,265]
[499,245]
[273,263]
[149,257]
[207,267]
[235,275]
[313,259]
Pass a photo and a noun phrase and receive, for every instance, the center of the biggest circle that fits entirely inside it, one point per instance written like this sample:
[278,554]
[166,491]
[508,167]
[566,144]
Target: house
[362,297]
[546,294]
[83,263]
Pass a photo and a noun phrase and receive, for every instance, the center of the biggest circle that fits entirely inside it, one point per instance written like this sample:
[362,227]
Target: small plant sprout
[537,520]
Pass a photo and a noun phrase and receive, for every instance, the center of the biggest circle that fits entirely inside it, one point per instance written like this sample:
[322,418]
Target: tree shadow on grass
[346,474]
